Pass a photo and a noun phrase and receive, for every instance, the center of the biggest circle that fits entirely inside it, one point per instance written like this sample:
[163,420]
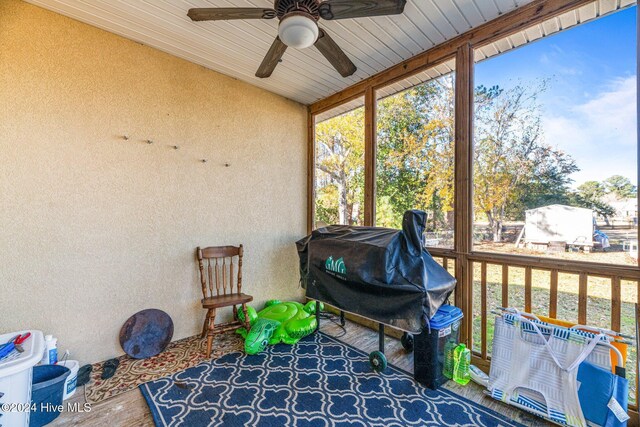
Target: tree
[591,190]
[340,165]
[620,186]
[590,195]
[513,165]
[514,168]
[586,197]
[415,153]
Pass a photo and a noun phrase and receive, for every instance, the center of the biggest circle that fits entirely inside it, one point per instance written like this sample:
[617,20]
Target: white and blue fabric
[319,382]
[534,366]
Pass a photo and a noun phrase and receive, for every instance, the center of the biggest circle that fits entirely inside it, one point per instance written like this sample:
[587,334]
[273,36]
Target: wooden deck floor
[130,408]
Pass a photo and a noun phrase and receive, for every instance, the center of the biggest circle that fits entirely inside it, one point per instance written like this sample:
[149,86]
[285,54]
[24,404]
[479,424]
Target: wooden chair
[218,289]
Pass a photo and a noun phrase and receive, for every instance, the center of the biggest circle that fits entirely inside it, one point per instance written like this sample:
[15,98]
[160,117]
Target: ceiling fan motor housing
[308,8]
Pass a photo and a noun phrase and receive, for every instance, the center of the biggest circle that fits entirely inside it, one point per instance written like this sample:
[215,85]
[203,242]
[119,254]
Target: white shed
[559,223]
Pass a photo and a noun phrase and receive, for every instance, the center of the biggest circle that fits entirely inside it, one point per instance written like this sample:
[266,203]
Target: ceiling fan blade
[271,59]
[336,56]
[341,9]
[224,13]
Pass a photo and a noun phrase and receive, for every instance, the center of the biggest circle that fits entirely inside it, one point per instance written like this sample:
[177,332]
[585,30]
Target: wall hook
[125,137]
[175,147]
[204,160]
[226,165]
[149,141]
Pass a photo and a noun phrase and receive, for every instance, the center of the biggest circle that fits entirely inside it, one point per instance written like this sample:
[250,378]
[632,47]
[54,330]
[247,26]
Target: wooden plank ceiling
[236,48]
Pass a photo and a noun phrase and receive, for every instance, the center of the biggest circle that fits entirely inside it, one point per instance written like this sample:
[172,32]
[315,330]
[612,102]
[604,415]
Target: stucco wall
[94,228]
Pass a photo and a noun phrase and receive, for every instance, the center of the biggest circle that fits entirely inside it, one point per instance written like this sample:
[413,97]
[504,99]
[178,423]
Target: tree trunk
[497,237]
[355,214]
[343,208]
[495,225]
[434,210]
[491,225]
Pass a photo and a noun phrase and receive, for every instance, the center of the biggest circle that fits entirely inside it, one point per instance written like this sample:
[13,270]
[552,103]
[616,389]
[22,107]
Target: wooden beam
[484,365]
[463,150]
[503,26]
[311,171]
[442,252]
[463,217]
[369,157]
[566,266]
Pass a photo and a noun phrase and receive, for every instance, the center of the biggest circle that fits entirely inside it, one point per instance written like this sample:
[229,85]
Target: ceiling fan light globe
[298,31]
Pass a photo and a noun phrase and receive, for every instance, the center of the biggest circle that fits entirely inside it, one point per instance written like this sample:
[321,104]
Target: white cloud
[600,134]
[614,111]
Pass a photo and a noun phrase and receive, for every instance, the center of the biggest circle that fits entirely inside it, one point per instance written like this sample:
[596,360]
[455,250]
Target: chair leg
[212,322]
[235,312]
[247,326]
[205,325]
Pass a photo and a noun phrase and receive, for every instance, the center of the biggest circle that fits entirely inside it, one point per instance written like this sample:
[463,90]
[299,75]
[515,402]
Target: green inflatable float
[278,322]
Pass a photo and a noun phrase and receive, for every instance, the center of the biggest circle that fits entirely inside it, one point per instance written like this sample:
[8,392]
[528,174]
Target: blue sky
[589,108]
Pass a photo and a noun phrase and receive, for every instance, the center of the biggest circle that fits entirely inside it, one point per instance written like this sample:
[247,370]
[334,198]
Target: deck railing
[600,295]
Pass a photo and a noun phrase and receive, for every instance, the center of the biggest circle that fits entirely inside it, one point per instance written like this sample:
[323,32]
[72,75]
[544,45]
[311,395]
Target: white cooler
[15,378]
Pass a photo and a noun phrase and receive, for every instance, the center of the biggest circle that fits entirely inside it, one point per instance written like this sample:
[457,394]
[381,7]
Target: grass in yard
[614,255]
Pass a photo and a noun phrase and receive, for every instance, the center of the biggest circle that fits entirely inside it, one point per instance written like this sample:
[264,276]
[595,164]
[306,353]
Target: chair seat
[226,300]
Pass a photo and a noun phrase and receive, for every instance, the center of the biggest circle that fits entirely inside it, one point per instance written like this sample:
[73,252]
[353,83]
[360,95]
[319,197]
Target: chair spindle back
[218,279]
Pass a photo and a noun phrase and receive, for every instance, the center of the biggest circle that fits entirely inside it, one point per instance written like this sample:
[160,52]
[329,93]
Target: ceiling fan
[298,26]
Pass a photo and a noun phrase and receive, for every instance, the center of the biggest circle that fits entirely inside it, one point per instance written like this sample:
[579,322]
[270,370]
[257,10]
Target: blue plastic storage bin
[46,393]
[428,346]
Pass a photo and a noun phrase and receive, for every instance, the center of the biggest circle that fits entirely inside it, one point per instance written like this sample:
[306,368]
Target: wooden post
[483,309]
[463,192]
[582,299]
[311,170]
[505,285]
[616,303]
[369,157]
[553,294]
[527,289]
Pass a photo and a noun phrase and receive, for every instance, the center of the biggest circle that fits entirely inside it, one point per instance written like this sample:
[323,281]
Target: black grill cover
[380,273]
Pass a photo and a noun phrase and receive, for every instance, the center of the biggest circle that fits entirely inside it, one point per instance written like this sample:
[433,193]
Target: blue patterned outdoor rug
[318,382]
